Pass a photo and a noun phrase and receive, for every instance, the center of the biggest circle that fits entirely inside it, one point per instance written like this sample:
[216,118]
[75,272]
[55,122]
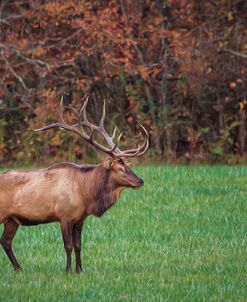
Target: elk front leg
[68,243]
[77,245]
[10,228]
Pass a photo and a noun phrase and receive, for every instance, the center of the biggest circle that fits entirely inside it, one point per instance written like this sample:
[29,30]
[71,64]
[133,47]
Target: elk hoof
[79,270]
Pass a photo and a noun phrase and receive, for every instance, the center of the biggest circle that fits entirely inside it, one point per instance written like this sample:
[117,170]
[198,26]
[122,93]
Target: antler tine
[55,125]
[60,110]
[101,123]
[84,113]
[140,150]
[61,122]
[91,134]
[114,133]
[147,140]
[119,137]
[144,130]
[145,148]
[117,143]
[82,116]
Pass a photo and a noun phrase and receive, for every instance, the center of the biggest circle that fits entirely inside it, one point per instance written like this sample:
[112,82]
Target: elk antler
[112,148]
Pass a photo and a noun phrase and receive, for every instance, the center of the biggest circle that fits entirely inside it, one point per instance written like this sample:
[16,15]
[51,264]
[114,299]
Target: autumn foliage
[179,67]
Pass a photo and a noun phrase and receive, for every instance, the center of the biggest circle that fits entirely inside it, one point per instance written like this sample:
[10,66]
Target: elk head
[122,173]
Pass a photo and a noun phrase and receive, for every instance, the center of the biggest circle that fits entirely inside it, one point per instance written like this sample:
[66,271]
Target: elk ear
[108,163]
[128,163]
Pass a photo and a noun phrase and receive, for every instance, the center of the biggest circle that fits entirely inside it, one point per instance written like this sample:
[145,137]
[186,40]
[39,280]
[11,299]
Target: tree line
[178,67]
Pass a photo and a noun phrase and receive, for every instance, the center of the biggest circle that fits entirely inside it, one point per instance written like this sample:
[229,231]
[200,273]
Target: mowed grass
[182,237]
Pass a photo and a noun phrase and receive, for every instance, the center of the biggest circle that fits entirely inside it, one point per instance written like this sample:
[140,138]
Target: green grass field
[182,237]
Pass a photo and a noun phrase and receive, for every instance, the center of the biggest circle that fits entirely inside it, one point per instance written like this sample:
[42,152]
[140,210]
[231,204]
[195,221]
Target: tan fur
[60,193]
[40,195]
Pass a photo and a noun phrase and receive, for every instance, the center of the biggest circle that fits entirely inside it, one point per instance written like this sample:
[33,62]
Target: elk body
[65,192]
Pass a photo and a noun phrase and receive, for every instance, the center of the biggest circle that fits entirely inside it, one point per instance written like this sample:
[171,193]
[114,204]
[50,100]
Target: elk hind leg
[10,228]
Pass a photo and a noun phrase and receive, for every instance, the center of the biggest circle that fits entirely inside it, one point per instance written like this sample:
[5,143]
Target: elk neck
[97,186]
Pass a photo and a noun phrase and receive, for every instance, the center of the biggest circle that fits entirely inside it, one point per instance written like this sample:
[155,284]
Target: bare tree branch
[235,53]
[19,78]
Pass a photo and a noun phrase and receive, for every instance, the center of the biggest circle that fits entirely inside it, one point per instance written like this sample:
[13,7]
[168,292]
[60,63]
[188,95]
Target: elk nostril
[141,182]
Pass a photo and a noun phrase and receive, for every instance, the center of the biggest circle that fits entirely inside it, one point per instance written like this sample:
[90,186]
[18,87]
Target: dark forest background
[179,67]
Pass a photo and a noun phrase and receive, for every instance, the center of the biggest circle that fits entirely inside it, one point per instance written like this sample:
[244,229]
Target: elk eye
[121,169]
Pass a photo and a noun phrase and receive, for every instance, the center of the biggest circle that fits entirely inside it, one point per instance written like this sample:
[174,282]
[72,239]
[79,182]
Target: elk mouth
[138,184]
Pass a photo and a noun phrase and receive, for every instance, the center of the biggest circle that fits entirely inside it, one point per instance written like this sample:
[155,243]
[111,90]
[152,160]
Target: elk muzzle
[141,182]
[134,181]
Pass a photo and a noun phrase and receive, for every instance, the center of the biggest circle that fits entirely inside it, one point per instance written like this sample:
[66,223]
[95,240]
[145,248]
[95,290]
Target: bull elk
[67,193]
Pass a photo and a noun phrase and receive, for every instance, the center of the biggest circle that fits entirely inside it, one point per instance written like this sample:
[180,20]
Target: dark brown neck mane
[97,181]
[105,192]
